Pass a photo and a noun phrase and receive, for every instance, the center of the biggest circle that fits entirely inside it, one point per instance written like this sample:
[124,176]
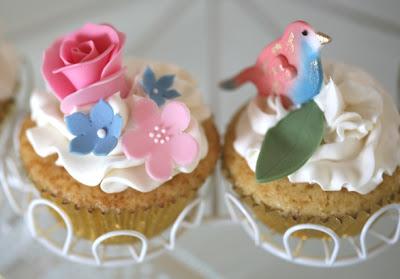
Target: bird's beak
[323,38]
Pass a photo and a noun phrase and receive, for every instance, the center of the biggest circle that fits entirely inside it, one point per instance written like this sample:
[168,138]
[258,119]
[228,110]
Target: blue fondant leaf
[171,94]
[101,114]
[149,80]
[105,146]
[289,145]
[78,123]
[116,126]
[165,82]
[83,144]
[158,99]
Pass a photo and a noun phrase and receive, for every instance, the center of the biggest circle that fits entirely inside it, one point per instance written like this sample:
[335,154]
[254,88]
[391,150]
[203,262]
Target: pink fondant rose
[86,66]
[160,139]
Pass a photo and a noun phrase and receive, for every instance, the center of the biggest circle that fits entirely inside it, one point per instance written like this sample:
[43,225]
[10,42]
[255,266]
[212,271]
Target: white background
[212,39]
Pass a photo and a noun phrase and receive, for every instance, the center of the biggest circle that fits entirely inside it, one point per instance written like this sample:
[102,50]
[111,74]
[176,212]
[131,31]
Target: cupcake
[117,144]
[9,68]
[319,142]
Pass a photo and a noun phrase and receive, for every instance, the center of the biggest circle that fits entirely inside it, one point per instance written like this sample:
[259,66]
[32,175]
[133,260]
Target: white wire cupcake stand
[380,231]
[59,238]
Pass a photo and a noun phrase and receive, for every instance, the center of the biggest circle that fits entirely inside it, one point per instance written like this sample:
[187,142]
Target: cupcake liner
[91,223]
[94,213]
[278,221]
[346,225]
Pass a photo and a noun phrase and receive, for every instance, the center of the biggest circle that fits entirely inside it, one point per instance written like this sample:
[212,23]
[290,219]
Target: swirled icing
[115,172]
[361,137]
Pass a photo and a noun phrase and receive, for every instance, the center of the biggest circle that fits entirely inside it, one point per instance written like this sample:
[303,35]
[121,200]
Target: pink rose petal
[72,52]
[115,62]
[175,116]
[57,82]
[83,58]
[86,73]
[65,51]
[184,149]
[103,35]
[87,48]
[100,90]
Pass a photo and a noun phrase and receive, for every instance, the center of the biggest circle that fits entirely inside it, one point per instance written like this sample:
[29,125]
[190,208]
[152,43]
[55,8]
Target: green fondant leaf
[288,145]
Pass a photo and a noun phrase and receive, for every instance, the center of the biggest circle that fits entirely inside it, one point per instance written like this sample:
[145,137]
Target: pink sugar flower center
[159,135]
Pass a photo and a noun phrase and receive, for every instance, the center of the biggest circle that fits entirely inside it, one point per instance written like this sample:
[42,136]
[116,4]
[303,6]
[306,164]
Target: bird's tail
[244,76]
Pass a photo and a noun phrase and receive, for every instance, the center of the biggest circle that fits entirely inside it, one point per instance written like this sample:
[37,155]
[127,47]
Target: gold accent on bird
[323,38]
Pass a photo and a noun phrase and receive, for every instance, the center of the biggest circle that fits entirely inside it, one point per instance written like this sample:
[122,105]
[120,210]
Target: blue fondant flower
[96,132]
[158,90]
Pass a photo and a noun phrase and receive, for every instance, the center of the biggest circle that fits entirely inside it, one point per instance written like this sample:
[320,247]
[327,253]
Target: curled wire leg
[344,251]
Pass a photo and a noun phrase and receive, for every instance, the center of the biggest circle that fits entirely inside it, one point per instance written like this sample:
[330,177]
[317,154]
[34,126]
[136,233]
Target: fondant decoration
[158,90]
[159,138]
[96,132]
[85,66]
[361,134]
[289,67]
[115,172]
[288,145]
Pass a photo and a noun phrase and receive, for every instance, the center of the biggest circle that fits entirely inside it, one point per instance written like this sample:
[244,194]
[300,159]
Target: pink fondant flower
[159,138]
[85,66]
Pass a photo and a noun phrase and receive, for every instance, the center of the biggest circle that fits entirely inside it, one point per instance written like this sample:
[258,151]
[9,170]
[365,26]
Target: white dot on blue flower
[102,133]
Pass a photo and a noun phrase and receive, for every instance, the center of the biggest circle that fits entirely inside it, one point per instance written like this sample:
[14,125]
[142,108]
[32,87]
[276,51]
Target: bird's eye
[305,32]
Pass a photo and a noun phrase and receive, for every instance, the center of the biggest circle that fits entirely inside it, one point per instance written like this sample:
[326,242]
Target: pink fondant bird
[289,67]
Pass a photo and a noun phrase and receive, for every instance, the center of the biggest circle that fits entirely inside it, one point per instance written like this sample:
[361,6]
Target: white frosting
[9,64]
[114,173]
[361,138]
[183,83]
